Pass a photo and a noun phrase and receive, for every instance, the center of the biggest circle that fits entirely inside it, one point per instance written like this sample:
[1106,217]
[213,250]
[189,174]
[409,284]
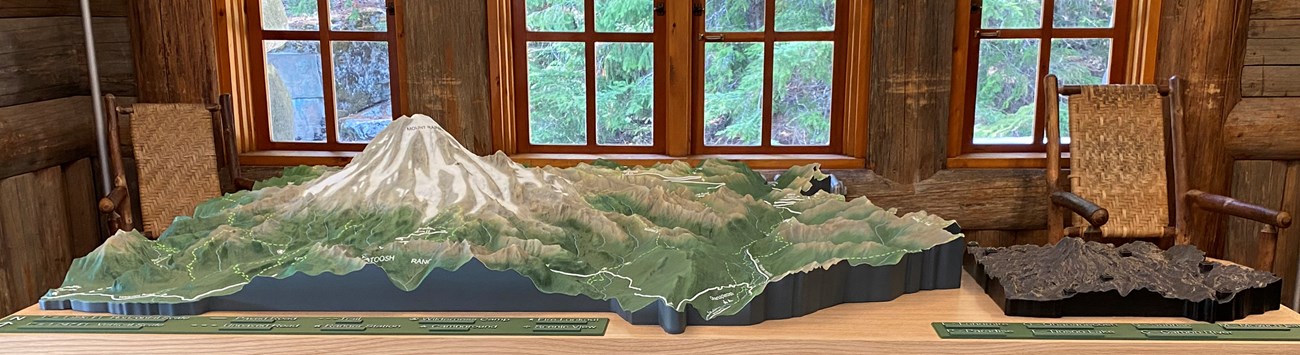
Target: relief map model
[710,236]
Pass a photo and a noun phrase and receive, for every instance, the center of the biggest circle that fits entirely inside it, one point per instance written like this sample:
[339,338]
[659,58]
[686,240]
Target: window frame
[1133,23]
[256,59]
[847,148]
[768,38]
[589,37]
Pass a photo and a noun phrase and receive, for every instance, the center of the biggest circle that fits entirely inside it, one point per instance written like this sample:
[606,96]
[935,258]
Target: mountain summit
[415,163]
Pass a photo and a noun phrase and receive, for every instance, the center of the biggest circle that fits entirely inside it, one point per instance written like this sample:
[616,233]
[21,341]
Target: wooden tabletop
[899,326]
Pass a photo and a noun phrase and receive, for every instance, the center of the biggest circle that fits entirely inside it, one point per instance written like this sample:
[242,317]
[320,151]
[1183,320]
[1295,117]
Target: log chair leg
[1267,248]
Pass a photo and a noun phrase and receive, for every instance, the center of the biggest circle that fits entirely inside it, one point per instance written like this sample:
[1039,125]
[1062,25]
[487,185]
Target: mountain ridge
[710,236]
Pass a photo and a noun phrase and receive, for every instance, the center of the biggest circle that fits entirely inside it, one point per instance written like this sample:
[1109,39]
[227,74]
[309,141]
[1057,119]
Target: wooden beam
[1275,9]
[911,82]
[1260,182]
[501,79]
[857,79]
[1264,128]
[48,8]
[113,52]
[174,42]
[446,57]
[975,198]
[679,76]
[1288,241]
[45,133]
[1275,29]
[1203,41]
[1270,81]
[44,58]
[1273,51]
[1005,238]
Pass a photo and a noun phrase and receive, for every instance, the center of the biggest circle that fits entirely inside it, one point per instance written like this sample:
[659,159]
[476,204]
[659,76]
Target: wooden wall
[47,170]
[446,77]
[446,67]
[1263,133]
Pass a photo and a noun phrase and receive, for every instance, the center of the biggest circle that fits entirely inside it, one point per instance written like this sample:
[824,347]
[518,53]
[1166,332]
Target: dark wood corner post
[911,74]
[1203,42]
[174,42]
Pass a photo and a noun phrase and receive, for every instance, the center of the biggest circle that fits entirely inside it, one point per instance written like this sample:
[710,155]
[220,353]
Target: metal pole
[95,98]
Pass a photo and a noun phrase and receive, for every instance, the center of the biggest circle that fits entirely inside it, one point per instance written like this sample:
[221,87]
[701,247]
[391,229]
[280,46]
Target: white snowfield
[391,170]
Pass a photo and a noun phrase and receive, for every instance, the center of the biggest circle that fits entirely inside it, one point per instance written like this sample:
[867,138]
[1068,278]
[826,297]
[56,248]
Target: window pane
[554,15]
[734,15]
[363,97]
[801,93]
[359,15]
[557,93]
[733,93]
[1006,90]
[295,99]
[625,84]
[624,16]
[1084,14]
[1012,14]
[290,15]
[1084,61]
[805,15]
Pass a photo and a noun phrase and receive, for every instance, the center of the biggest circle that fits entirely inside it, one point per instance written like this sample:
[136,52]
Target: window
[591,76]
[1013,44]
[321,72]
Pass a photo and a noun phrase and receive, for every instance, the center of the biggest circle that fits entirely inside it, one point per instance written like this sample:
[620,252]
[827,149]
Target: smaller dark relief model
[1077,278]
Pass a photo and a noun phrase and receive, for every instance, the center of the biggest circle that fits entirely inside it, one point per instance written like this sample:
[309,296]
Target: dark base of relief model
[474,288]
[1138,303]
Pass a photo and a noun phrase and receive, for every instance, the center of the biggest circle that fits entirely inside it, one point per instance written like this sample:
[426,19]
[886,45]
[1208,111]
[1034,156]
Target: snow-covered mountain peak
[415,162]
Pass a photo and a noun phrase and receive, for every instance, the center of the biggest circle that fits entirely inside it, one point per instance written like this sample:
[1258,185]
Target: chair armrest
[1095,215]
[1234,207]
[109,203]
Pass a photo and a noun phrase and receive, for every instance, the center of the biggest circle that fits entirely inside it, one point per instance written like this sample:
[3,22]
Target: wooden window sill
[295,157]
[755,161]
[1004,161]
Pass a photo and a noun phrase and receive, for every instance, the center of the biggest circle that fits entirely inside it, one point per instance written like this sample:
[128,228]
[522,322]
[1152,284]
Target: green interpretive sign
[1118,331]
[305,325]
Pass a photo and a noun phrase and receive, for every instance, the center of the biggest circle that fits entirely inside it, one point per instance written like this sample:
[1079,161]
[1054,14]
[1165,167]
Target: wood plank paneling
[1275,9]
[44,58]
[1267,128]
[174,45]
[8,269]
[46,8]
[1203,41]
[911,83]
[1275,29]
[51,210]
[113,52]
[1264,128]
[81,200]
[1288,241]
[1006,238]
[1260,182]
[1273,51]
[35,234]
[447,68]
[36,59]
[1270,81]
[975,198]
[45,133]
